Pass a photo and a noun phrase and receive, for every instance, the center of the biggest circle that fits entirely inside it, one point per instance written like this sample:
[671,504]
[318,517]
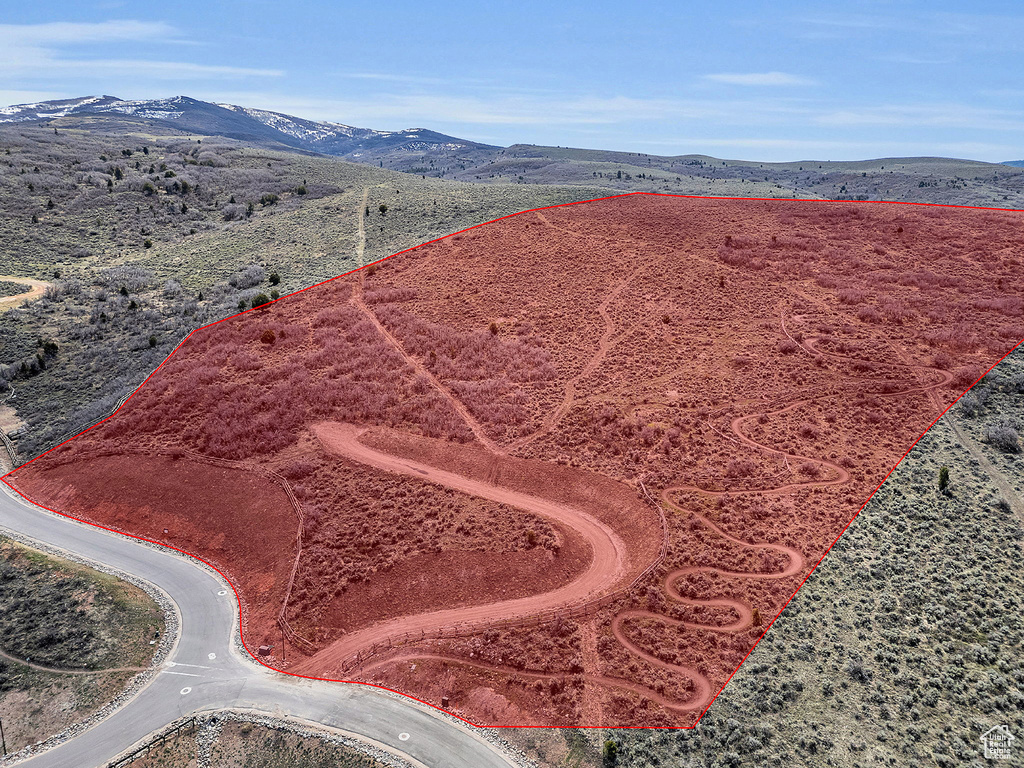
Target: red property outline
[459,232]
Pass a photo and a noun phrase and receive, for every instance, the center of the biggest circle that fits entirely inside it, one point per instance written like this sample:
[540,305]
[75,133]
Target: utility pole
[2,737]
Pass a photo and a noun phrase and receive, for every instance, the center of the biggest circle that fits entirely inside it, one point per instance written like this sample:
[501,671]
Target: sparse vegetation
[904,643]
[8,288]
[103,216]
[237,743]
[62,615]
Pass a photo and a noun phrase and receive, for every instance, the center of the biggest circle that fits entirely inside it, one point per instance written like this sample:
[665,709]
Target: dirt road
[38,289]
[606,572]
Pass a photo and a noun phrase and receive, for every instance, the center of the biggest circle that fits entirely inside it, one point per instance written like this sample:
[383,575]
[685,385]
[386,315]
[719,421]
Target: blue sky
[752,80]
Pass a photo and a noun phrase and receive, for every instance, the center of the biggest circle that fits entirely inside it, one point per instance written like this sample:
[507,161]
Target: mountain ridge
[429,154]
[244,123]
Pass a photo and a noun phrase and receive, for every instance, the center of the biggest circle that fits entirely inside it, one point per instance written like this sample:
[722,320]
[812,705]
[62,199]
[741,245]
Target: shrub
[869,315]
[249,277]
[852,295]
[810,469]
[232,211]
[1003,436]
[610,753]
[972,404]
[739,468]
[943,478]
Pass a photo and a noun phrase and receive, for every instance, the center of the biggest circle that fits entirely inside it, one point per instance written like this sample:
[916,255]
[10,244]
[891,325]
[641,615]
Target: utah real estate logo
[997,742]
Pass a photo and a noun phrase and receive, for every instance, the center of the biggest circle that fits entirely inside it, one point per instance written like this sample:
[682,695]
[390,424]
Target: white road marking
[180,664]
[222,592]
[212,656]
[403,737]
[186,691]
[183,674]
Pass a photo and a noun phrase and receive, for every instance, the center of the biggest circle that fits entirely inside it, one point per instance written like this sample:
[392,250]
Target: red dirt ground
[483,436]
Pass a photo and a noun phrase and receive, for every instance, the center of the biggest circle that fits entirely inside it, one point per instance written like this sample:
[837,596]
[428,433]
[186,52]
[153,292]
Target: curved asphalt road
[205,673]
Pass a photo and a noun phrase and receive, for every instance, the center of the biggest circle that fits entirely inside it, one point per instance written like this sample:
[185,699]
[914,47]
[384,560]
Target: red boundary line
[238,599]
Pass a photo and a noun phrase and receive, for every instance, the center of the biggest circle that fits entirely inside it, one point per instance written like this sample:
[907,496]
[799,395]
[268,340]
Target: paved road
[204,672]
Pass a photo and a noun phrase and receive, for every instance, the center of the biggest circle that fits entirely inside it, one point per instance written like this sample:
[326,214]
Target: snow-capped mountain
[255,125]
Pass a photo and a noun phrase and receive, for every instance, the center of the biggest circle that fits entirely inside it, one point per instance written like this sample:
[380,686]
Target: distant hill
[429,154]
[1014,163]
[251,125]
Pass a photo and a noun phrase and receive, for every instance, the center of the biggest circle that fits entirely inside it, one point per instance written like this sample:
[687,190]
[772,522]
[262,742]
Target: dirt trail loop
[458,405]
[606,571]
[810,346]
[38,289]
[69,671]
[745,615]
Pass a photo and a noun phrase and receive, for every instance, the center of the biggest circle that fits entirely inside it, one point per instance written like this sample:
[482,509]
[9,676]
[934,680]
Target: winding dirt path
[606,572]
[745,614]
[609,552]
[38,288]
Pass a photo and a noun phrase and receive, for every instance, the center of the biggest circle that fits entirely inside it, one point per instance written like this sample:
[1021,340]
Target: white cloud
[159,70]
[55,33]
[34,51]
[759,78]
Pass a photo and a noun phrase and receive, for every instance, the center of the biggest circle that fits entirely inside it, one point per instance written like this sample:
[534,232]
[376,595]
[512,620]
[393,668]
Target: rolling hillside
[428,153]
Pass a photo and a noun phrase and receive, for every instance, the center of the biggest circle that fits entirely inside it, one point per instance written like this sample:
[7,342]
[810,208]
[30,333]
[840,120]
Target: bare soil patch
[751,368]
[239,521]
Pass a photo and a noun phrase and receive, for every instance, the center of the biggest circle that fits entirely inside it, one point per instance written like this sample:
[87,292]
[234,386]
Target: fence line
[10,449]
[306,646]
[132,756]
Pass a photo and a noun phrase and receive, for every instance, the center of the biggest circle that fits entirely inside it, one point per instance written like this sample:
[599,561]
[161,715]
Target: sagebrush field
[565,468]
